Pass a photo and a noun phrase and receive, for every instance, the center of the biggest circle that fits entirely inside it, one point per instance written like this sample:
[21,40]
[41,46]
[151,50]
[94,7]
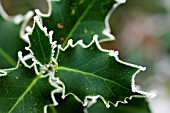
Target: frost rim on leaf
[106,30]
[4,72]
[49,35]
[113,54]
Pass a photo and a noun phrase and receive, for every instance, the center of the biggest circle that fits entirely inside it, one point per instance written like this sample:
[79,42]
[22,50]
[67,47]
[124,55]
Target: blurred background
[142,31]
[141,28]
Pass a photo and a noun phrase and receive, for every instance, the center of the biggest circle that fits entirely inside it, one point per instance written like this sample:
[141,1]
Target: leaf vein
[90,82]
[41,46]
[87,73]
[24,93]
[78,22]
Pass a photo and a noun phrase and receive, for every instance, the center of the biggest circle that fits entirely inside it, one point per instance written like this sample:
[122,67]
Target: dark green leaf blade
[69,104]
[22,91]
[77,19]
[136,105]
[91,71]
[40,43]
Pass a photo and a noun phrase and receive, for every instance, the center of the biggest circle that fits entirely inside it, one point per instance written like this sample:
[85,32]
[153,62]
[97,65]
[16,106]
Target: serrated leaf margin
[112,53]
[44,29]
[107,29]
[4,72]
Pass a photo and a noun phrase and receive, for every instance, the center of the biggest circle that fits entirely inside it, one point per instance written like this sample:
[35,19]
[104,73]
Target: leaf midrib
[78,22]
[41,45]
[91,74]
[24,93]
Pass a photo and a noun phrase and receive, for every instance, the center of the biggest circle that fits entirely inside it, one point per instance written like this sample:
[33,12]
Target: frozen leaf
[136,105]
[79,19]
[91,71]
[40,43]
[22,91]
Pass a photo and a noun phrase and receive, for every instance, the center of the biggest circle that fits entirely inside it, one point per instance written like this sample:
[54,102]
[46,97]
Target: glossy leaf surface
[77,19]
[90,72]
[40,45]
[22,91]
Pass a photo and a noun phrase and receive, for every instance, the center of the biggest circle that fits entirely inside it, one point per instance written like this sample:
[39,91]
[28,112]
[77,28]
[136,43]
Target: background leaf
[136,105]
[69,104]
[77,19]
[23,6]
[84,73]
[10,42]
[22,91]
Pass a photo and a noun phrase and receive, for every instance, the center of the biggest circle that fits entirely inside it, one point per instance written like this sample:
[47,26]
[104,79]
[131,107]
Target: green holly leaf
[69,104]
[40,43]
[10,41]
[136,105]
[22,91]
[78,19]
[91,71]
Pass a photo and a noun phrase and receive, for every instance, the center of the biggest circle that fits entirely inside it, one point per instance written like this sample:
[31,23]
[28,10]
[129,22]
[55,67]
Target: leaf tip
[95,37]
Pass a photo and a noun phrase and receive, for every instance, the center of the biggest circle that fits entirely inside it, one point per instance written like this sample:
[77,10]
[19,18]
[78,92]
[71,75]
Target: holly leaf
[10,41]
[91,71]
[136,105]
[78,19]
[64,105]
[22,91]
[40,43]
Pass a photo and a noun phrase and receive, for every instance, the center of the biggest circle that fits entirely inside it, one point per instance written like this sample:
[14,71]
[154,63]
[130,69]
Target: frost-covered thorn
[28,29]
[63,97]
[26,48]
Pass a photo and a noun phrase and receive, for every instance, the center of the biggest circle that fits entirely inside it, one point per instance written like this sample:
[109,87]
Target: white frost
[114,54]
